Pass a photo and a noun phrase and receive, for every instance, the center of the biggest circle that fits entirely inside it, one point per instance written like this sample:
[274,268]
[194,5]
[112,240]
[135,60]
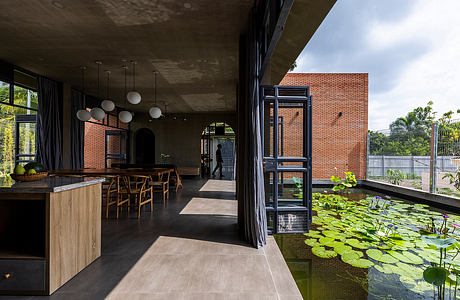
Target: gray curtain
[49,124]
[77,131]
[251,194]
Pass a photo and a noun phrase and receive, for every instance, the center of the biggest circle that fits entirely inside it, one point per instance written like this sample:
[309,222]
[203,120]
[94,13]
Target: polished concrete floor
[186,249]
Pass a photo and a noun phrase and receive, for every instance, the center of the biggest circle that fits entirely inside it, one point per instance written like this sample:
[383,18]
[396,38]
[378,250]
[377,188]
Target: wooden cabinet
[23,275]
[47,238]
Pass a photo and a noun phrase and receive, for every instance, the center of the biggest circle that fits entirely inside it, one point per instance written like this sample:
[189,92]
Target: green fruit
[19,170]
[38,167]
[31,172]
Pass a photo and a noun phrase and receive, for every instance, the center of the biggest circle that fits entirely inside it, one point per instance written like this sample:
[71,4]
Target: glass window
[23,138]
[26,98]
[4,92]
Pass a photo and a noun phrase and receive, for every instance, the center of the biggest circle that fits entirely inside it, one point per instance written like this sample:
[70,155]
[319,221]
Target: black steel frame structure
[124,144]
[300,214]
[21,119]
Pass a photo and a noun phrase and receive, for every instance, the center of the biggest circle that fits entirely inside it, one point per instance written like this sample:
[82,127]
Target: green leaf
[314,234]
[438,242]
[322,252]
[406,257]
[380,256]
[335,178]
[341,249]
[326,241]
[357,244]
[350,255]
[435,275]
[312,242]
[333,234]
[354,258]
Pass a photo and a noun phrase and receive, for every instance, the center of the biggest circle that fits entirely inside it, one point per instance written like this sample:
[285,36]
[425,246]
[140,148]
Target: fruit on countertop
[31,172]
[38,167]
[19,170]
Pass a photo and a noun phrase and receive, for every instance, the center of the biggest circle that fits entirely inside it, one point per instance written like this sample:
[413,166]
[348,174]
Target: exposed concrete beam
[303,21]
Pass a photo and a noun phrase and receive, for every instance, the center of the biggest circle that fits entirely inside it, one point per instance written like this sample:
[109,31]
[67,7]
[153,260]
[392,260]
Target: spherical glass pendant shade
[97,113]
[155,112]
[134,97]
[108,105]
[125,116]
[83,115]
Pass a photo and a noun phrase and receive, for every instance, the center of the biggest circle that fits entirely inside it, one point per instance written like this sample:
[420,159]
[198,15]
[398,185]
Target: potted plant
[164,157]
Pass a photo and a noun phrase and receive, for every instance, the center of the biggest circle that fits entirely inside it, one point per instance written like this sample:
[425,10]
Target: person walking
[219,161]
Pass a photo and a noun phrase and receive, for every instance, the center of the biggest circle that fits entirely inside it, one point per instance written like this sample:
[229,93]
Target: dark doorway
[145,146]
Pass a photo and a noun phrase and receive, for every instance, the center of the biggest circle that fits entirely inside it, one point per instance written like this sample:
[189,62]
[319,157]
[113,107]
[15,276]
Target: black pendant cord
[108,83]
[155,95]
[125,67]
[134,75]
[98,78]
[83,69]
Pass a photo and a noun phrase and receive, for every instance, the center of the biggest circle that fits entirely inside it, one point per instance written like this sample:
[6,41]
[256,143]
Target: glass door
[25,142]
[287,141]
[116,147]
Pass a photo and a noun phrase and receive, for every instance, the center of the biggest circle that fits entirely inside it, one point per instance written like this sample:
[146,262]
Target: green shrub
[394,176]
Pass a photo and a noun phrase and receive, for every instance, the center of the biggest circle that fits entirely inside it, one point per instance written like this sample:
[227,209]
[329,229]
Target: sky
[410,48]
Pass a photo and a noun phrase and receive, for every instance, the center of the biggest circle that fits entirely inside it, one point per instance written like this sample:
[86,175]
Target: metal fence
[418,157]
[411,166]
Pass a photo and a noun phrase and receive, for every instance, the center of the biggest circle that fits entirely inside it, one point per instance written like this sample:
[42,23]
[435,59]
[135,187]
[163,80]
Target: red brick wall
[338,142]
[95,145]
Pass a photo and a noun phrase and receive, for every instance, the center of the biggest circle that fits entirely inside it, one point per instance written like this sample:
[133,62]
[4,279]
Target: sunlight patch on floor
[210,206]
[213,185]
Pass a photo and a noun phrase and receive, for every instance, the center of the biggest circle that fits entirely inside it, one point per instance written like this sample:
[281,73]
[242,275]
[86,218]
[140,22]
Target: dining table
[108,172]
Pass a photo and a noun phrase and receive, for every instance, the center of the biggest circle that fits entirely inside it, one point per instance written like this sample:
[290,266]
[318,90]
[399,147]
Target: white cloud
[412,54]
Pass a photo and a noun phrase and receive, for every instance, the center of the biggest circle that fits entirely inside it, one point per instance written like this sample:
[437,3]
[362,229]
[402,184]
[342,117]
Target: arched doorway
[214,134]
[145,146]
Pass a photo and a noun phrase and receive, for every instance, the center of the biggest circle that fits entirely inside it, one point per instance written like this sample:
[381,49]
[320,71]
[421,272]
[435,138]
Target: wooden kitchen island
[49,231]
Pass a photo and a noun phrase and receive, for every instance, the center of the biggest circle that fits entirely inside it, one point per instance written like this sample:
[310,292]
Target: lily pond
[365,245]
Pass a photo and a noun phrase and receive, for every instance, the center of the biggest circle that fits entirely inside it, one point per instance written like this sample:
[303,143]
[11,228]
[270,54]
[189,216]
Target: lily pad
[342,249]
[326,241]
[357,244]
[407,257]
[354,258]
[322,252]
[380,256]
[333,234]
[312,242]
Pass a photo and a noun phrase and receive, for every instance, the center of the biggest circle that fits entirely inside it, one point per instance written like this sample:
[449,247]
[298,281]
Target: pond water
[371,246]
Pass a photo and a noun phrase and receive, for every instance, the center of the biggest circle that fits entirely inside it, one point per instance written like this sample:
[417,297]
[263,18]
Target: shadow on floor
[127,239]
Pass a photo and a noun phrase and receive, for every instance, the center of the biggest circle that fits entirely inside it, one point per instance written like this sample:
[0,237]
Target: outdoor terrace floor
[187,249]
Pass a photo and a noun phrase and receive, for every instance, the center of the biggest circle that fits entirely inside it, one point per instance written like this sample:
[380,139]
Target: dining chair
[162,185]
[177,180]
[110,192]
[136,188]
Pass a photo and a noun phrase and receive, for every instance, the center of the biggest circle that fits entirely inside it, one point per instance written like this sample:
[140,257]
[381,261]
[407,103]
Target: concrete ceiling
[193,44]
[194,48]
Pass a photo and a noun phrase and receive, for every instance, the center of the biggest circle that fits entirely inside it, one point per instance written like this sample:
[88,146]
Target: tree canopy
[411,135]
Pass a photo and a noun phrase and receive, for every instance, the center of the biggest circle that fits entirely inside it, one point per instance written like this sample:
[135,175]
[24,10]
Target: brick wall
[338,141]
[95,144]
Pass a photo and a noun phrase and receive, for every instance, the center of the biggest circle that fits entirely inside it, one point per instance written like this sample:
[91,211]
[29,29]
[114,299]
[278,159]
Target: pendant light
[125,116]
[155,111]
[133,96]
[83,114]
[98,113]
[108,104]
